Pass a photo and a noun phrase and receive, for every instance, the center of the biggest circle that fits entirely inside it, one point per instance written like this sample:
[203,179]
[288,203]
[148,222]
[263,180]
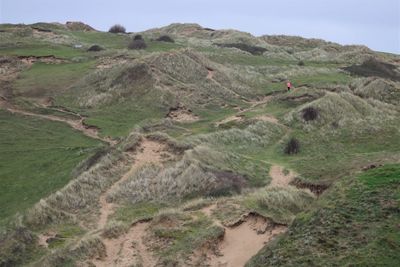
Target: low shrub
[95,48]
[309,113]
[138,37]
[292,147]
[301,63]
[117,28]
[165,38]
[137,43]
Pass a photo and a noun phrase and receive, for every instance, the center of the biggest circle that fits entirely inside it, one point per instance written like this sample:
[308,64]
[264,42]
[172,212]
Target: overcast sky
[375,23]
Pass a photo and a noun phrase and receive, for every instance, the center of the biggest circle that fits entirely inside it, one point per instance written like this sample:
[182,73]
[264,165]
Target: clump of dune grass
[280,204]
[114,229]
[88,247]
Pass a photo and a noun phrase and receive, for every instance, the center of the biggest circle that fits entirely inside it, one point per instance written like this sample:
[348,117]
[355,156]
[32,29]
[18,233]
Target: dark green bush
[292,147]
[165,38]
[117,28]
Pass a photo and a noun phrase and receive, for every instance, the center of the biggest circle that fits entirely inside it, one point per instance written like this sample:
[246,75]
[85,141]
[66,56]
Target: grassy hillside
[355,223]
[176,146]
[37,159]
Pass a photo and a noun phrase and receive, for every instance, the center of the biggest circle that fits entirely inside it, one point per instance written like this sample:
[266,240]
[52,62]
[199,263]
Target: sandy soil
[243,241]
[279,179]
[267,118]
[148,152]
[129,248]
[210,74]
[182,115]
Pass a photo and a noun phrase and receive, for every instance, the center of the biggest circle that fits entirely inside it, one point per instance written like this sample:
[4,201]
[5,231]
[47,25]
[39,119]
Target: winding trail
[243,241]
[129,247]
[78,125]
[279,178]
[239,115]
[148,152]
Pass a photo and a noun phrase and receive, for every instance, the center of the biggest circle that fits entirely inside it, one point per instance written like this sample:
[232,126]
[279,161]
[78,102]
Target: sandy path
[242,242]
[210,74]
[129,248]
[148,152]
[239,115]
[279,179]
[76,124]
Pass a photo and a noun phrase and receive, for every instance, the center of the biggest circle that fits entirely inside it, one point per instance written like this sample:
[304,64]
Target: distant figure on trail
[289,85]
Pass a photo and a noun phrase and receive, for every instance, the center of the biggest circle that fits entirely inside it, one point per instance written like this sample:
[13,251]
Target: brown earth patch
[181,114]
[316,189]
[279,178]
[242,242]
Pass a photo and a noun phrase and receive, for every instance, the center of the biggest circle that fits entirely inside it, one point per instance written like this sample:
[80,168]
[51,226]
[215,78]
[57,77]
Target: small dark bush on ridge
[137,43]
[95,48]
[165,38]
[310,114]
[292,147]
[138,37]
[117,28]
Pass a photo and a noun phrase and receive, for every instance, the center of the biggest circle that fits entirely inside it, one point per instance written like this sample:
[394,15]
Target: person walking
[289,86]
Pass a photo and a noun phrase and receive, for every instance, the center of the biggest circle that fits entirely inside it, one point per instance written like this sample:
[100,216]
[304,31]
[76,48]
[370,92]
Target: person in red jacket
[289,85]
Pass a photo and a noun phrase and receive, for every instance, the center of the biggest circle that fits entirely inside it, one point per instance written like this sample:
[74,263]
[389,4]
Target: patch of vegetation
[39,49]
[309,113]
[165,38]
[36,152]
[184,236]
[95,48]
[254,50]
[281,205]
[356,223]
[137,43]
[374,67]
[117,28]
[137,212]
[292,147]
[48,79]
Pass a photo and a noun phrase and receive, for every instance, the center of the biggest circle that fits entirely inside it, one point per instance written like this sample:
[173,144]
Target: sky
[374,23]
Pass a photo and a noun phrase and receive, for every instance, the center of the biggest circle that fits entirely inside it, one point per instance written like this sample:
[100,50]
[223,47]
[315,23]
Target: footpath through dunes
[129,247]
[78,124]
[279,177]
[241,241]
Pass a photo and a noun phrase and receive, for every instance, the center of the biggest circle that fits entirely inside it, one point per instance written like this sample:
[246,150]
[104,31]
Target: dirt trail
[76,124]
[148,152]
[242,242]
[240,115]
[210,74]
[129,248]
[279,178]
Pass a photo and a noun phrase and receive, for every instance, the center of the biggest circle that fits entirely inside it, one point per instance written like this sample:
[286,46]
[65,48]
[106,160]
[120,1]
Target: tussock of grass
[182,235]
[279,204]
[114,229]
[87,247]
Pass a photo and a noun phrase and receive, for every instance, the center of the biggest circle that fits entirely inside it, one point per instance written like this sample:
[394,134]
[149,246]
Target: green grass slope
[36,159]
[355,224]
